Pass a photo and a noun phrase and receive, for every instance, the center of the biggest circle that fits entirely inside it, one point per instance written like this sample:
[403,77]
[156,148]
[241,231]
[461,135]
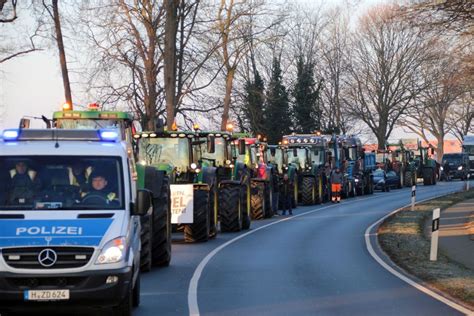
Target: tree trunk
[381,139]
[170,60]
[440,148]
[62,53]
[229,79]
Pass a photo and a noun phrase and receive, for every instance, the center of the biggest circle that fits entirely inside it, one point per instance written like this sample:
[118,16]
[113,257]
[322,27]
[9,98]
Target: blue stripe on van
[87,232]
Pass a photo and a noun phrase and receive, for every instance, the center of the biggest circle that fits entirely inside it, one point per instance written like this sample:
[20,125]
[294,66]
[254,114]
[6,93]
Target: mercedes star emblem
[47,257]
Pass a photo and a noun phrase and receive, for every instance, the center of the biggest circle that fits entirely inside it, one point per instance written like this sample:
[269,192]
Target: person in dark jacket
[99,193]
[336,185]
[24,184]
[287,194]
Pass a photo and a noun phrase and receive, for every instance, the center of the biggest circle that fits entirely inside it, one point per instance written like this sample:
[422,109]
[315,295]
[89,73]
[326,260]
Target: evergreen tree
[306,99]
[254,103]
[277,113]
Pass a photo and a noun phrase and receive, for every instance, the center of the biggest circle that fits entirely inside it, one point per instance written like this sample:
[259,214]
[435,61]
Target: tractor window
[219,156]
[174,151]
[352,153]
[317,155]
[300,159]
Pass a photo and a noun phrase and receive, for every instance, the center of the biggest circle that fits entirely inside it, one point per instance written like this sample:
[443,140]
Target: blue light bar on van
[108,135]
[10,134]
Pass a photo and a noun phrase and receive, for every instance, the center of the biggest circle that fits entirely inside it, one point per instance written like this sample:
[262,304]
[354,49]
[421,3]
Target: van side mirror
[24,123]
[143,202]
[211,144]
[242,147]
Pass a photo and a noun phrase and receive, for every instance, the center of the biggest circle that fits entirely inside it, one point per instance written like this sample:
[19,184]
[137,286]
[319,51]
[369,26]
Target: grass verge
[401,237]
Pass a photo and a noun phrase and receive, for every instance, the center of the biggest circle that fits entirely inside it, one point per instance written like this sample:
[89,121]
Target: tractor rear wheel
[230,209]
[257,200]
[161,245]
[308,188]
[428,176]
[408,179]
[199,230]
[245,206]
[145,238]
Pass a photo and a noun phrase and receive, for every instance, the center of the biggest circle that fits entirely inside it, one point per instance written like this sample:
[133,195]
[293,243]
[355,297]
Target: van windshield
[61,182]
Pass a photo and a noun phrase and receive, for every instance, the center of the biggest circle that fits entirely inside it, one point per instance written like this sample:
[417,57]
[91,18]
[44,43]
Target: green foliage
[253,109]
[306,99]
[277,114]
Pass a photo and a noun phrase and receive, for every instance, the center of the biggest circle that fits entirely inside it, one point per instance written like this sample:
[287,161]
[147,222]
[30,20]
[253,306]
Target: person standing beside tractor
[336,185]
[287,195]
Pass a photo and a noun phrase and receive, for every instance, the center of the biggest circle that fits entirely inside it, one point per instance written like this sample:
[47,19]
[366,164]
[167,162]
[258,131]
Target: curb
[385,261]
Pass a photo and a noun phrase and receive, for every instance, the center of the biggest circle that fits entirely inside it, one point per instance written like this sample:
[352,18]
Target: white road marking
[193,284]
[404,278]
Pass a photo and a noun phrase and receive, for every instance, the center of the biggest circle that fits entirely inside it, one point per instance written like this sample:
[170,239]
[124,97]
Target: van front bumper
[85,288]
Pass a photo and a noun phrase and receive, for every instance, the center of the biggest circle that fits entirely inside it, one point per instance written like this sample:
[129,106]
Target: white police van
[69,220]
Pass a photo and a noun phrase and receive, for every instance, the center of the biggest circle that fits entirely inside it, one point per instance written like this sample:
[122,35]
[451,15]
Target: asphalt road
[312,264]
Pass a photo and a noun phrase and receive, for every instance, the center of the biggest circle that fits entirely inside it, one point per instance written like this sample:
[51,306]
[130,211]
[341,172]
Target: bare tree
[237,23]
[13,46]
[169,53]
[386,57]
[53,11]
[436,101]
[461,116]
[444,15]
[333,69]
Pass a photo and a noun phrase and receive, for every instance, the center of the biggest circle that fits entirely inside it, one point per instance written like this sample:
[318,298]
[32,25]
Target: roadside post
[434,235]
[467,182]
[413,197]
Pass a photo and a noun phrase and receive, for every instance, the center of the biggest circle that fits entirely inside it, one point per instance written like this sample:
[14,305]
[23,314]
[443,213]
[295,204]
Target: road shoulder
[402,237]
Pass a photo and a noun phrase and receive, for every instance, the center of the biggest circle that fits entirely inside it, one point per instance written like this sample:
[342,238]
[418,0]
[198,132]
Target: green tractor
[426,166]
[253,154]
[308,153]
[278,157]
[398,158]
[155,226]
[233,180]
[193,182]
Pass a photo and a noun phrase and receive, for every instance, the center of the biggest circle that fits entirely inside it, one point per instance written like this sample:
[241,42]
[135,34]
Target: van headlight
[112,252]
[460,168]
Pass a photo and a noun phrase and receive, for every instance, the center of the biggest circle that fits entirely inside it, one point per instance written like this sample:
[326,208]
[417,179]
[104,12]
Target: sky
[32,85]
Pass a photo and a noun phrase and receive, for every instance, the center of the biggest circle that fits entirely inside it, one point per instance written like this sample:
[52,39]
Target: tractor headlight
[112,252]
[356,180]
[441,168]
[228,162]
[193,166]
[460,168]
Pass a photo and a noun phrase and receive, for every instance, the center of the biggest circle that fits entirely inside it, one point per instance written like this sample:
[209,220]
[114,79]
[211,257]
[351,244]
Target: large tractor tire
[428,176]
[146,241]
[199,230]
[230,209]
[161,245]
[213,204]
[245,206]
[408,179]
[269,194]
[258,200]
[308,191]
